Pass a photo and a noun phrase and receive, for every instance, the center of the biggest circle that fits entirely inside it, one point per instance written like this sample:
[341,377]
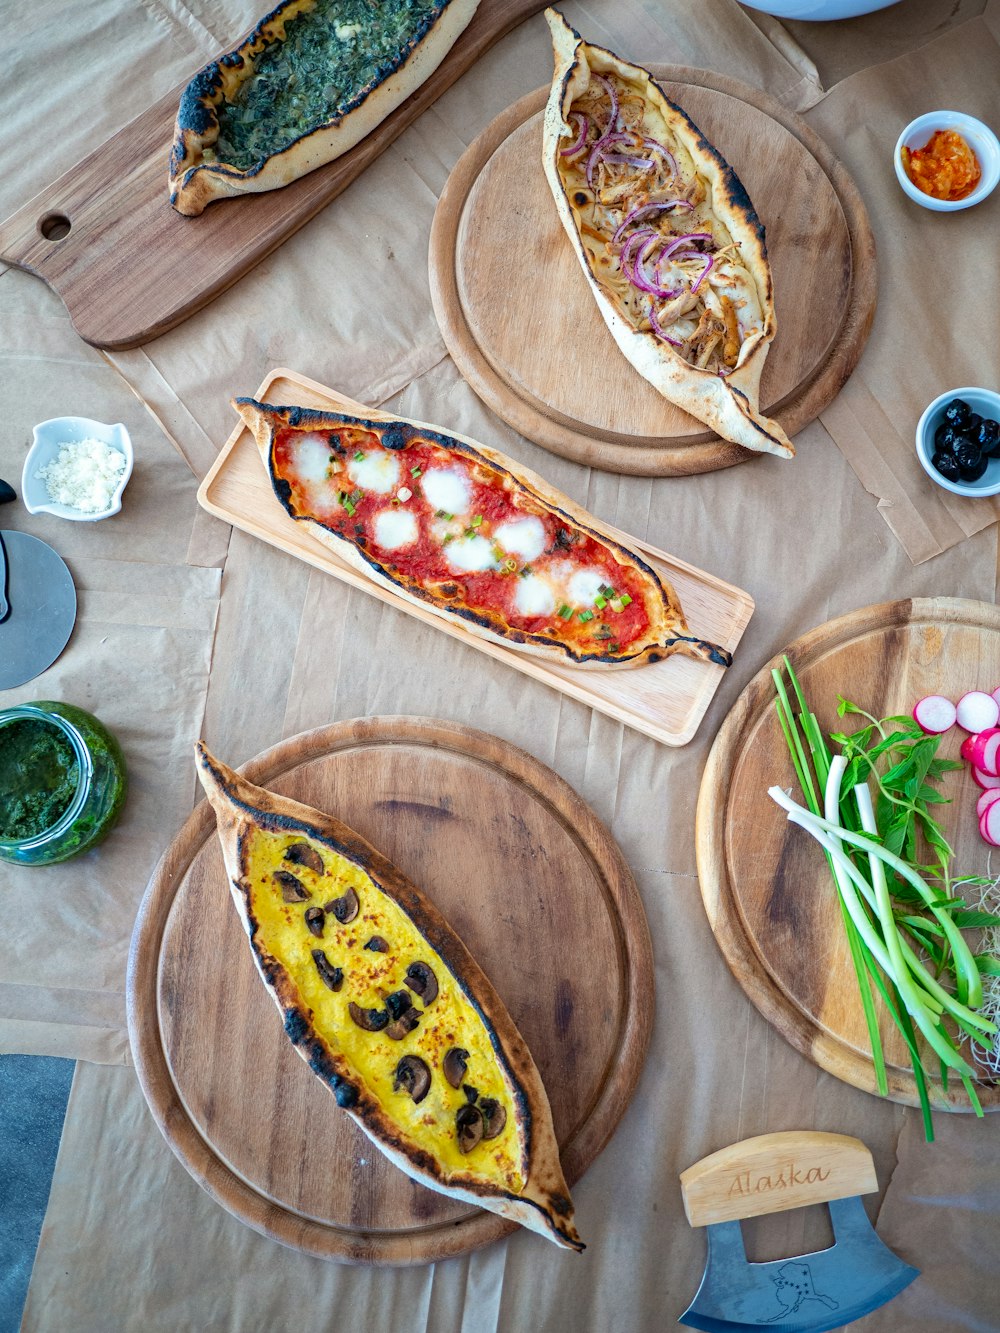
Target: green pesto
[314,75]
[39,776]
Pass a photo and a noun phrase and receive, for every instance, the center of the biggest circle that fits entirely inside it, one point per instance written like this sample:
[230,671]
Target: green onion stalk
[902,923]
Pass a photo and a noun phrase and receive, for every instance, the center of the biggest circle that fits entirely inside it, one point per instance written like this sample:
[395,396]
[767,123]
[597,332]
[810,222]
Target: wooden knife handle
[773,1172]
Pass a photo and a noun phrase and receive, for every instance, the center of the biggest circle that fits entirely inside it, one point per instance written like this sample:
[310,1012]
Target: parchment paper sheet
[130,1242]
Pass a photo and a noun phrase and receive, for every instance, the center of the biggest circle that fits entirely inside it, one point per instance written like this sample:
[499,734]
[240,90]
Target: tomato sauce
[945,168]
[495,499]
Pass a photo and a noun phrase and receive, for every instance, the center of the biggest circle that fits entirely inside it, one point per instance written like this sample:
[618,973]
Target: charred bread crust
[729,404]
[544,1204]
[668,629]
[195,183]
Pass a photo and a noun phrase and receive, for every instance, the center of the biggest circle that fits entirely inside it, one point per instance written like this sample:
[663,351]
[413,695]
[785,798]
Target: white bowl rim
[970,491]
[114,434]
[967,125]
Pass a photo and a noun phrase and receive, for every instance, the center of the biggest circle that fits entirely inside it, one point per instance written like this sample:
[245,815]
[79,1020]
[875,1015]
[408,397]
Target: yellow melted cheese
[448,1021]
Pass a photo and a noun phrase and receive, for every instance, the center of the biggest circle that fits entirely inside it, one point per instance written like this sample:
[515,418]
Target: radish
[977,711]
[935,714]
[985,745]
[984,780]
[989,825]
[987,798]
[966,750]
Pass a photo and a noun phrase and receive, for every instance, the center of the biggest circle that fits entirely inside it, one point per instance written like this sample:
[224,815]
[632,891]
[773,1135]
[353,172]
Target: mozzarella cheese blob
[312,459]
[395,528]
[377,472]
[524,537]
[471,555]
[447,489]
[583,587]
[534,597]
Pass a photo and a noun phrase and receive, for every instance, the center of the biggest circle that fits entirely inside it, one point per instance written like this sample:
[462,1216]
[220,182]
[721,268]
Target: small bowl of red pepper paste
[946,161]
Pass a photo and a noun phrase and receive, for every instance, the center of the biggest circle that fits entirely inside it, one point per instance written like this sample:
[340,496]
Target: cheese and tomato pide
[670,244]
[459,530]
[312,79]
[388,1008]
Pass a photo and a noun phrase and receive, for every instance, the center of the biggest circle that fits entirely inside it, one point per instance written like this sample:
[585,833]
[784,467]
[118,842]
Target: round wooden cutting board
[531,881]
[766,887]
[519,319]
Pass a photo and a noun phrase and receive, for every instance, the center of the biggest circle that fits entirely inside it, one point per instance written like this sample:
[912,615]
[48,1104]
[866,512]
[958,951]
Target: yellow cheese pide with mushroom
[388,1007]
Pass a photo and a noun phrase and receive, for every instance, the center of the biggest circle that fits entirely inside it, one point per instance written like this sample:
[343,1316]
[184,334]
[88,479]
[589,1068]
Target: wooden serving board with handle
[128,267]
[567,386]
[524,872]
[665,700]
[765,883]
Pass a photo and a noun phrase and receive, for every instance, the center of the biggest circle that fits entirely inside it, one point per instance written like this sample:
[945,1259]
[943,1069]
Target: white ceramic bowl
[818,9]
[49,436]
[978,136]
[987,404]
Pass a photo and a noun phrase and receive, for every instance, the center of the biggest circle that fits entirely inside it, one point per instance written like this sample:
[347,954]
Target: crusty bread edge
[194,183]
[730,404]
[544,1204]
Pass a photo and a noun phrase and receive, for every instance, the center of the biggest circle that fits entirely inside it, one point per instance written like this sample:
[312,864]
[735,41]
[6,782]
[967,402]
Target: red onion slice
[643,209]
[585,123]
[709,261]
[623,160]
[610,89]
[659,148]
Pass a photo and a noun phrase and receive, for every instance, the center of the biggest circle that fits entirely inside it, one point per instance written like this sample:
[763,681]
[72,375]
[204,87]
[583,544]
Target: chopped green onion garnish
[477,521]
[358,456]
[625,599]
[355,496]
[586,615]
[565,611]
[415,472]
[449,537]
[341,497]
[349,507]
[607,590]
[525,571]
[600,602]
[614,646]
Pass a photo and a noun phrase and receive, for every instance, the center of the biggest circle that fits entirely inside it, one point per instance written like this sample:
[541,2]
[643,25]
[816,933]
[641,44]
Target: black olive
[944,438]
[971,463]
[988,436]
[971,427]
[7,493]
[947,465]
[957,412]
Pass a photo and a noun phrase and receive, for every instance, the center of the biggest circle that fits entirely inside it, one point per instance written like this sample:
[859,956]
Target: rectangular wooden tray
[665,700]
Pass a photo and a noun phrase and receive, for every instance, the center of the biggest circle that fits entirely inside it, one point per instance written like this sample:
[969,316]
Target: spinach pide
[312,79]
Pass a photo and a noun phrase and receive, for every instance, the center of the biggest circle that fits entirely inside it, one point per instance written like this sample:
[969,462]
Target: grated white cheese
[84,475]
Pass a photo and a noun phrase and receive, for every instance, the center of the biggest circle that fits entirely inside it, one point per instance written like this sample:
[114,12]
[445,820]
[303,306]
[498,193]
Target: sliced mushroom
[413,1075]
[471,1093]
[494,1117]
[403,1025]
[292,889]
[397,1004]
[454,1066]
[377,944]
[301,854]
[422,981]
[332,977]
[345,908]
[372,1020]
[469,1125]
[315,916]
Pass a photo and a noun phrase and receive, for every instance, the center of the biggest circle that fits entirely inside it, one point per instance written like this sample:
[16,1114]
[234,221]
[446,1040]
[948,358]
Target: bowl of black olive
[958,441]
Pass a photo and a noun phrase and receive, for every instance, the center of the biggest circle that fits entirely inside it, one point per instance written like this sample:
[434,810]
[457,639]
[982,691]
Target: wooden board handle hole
[54,226]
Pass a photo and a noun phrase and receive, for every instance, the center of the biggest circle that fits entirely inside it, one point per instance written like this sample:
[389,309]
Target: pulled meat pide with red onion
[645,217]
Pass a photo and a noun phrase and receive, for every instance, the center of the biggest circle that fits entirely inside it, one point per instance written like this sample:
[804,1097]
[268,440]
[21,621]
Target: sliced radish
[984,749]
[984,780]
[990,825]
[966,750]
[987,798]
[977,711]
[935,714]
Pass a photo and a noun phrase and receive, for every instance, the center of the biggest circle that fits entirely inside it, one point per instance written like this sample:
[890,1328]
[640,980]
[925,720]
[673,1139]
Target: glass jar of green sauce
[62,782]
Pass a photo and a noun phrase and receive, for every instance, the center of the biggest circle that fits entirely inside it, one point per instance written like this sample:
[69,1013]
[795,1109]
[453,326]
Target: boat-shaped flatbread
[388,1008]
[670,244]
[312,79]
[471,536]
